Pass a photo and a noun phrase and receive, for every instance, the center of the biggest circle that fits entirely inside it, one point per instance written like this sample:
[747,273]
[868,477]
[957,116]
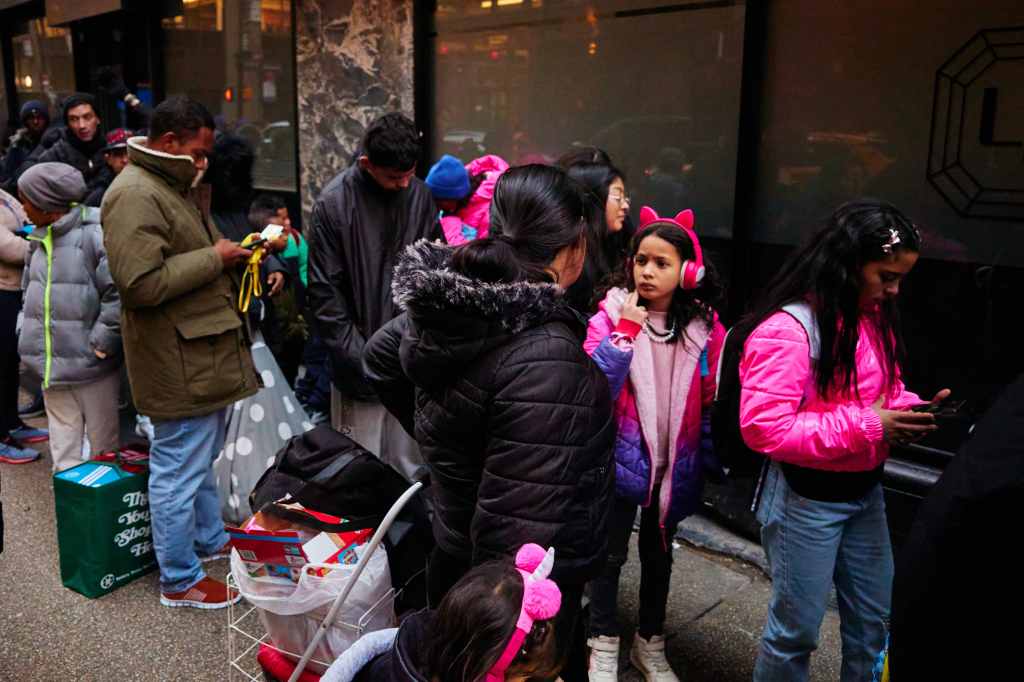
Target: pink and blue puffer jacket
[473,221]
[782,415]
[631,378]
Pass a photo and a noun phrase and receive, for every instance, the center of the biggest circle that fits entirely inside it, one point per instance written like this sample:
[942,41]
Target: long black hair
[536,212]
[826,273]
[687,304]
[605,249]
[475,621]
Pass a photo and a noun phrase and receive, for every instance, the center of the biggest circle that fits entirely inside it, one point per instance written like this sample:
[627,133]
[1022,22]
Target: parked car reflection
[275,157]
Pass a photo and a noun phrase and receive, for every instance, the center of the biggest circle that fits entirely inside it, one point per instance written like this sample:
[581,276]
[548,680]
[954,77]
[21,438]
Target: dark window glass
[43,65]
[655,84]
[924,107]
[236,57]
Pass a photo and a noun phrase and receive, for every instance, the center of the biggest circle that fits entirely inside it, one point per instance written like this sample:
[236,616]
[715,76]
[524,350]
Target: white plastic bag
[291,613]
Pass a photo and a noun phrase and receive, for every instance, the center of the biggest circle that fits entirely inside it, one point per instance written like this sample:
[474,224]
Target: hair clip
[894,239]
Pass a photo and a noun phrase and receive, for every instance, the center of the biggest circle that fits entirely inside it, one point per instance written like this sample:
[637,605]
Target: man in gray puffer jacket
[71,335]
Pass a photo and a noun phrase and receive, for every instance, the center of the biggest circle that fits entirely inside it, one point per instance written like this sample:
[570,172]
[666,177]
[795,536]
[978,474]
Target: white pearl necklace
[656,336]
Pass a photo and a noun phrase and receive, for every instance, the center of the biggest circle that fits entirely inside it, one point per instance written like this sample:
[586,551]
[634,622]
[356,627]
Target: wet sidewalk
[716,612]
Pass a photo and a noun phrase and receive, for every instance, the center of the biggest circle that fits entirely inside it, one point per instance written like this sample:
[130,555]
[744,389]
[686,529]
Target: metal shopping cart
[246,633]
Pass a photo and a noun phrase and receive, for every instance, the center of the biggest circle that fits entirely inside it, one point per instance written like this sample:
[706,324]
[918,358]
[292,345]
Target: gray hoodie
[71,304]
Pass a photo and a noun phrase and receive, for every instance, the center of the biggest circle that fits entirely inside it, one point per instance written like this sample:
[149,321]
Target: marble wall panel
[354,62]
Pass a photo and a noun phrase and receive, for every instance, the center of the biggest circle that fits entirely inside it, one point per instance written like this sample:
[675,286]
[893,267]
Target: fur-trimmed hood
[424,284]
[455,318]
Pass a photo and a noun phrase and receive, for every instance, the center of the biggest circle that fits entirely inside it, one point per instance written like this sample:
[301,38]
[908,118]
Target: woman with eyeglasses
[609,226]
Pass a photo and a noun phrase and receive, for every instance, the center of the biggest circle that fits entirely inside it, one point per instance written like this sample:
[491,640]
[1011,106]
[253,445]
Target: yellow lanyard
[251,284]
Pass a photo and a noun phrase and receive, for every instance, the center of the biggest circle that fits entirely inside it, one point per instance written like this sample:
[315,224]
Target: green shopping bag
[103,529]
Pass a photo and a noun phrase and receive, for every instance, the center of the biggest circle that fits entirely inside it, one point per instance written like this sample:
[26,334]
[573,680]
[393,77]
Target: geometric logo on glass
[976,150]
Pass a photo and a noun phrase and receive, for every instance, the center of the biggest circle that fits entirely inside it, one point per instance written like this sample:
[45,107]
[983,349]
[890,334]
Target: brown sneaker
[222,553]
[205,594]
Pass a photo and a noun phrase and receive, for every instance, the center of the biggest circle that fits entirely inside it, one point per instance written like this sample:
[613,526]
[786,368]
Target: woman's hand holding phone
[903,426]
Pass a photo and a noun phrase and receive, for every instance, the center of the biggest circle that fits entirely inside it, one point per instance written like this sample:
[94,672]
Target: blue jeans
[810,545]
[183,499]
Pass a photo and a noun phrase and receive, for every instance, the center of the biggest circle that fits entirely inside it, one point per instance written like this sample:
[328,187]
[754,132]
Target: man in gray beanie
[51,187]
[67,278]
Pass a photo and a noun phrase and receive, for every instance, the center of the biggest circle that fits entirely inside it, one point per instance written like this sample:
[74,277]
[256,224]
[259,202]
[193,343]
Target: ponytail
[536,212]
[491,259]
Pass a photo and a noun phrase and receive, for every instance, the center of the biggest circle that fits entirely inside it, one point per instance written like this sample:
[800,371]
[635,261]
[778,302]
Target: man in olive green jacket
[186,346]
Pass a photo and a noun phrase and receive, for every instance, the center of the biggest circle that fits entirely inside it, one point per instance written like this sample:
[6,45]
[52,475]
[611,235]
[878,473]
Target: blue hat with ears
[448,179]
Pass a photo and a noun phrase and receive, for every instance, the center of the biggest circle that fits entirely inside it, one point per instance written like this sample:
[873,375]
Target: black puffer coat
[513,418]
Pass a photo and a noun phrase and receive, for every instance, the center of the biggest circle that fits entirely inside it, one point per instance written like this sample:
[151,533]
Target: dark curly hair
[180,115]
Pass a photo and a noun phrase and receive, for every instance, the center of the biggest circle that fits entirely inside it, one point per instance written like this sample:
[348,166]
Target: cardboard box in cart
[103,530]
[271,546]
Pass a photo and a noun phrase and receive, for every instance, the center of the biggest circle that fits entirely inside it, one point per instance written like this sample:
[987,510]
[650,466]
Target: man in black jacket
[364,218]
[35,119]
[957,589]
[82,144]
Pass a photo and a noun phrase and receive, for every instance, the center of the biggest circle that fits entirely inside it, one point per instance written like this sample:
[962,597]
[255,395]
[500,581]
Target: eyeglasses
[619,197]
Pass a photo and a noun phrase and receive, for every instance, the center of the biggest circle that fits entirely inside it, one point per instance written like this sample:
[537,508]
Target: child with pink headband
[495,625]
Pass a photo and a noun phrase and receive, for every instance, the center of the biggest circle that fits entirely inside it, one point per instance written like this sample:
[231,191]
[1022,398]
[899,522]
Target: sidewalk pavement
[716,611]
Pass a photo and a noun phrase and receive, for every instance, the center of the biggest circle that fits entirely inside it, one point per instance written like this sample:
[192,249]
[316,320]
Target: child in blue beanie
[463,195]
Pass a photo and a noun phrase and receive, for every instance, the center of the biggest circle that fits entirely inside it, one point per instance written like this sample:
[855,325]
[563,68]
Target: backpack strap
[721,359]
[332,469]
[804,314]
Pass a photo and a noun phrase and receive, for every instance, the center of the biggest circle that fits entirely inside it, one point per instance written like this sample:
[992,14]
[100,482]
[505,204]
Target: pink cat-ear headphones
[692,271]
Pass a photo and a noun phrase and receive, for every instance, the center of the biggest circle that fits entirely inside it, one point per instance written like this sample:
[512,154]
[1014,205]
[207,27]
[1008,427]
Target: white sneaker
[649,659]
[604,659]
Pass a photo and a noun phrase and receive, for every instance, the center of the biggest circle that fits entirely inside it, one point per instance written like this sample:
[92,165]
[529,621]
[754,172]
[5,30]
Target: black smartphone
[254,243]
[946,408]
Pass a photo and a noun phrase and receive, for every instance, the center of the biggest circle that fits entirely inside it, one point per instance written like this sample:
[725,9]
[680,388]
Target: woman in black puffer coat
[486,368]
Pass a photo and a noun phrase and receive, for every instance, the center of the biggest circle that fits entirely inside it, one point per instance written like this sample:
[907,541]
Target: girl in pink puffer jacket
[824,407]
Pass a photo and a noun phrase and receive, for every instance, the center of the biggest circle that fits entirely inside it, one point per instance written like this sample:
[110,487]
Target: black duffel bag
[329,472]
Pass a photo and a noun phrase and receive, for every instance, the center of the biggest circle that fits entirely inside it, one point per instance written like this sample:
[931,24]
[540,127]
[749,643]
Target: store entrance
[114,54]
